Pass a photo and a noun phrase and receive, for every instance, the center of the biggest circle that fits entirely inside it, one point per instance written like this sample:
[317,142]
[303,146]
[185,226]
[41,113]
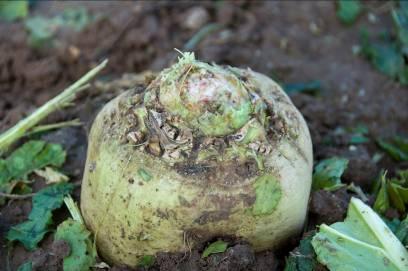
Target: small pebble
[196,17]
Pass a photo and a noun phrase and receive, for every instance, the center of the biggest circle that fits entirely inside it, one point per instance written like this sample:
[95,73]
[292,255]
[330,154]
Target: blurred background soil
[289,41]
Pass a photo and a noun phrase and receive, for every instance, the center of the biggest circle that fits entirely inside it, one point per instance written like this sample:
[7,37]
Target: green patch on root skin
[146,261]
[146,176]
[268,194]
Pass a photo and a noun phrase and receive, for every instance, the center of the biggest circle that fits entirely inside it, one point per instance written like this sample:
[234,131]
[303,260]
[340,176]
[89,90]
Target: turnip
[203,151]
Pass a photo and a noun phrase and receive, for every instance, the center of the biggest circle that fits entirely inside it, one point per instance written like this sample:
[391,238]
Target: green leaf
[327,174]
[290,265]
[76,18]
[397,148]
[32,155]
[268,194]
[26,266]
[402,232]
[400,18]
[303,258]
[362,242]
[392,192]
[386,58]
[358,139]
[13,10]
[32,231]
[82,253]
[358,134]
[42,30]
[392,224]
[146,261]
[395,197]
[360,129]
[348,10]
[216,247]
[403,74]
[382,202]
[312,87]
[389,54]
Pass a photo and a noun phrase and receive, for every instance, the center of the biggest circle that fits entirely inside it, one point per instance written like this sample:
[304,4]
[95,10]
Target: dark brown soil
[290,41]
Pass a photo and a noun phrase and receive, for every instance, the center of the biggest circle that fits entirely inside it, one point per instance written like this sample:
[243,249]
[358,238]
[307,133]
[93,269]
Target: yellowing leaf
[51,175]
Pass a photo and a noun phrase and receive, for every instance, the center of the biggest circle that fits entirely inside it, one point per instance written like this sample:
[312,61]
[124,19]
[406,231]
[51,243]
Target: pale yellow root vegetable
[202,152]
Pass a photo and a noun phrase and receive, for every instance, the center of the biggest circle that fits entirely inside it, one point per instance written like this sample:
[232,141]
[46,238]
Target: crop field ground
[354,101]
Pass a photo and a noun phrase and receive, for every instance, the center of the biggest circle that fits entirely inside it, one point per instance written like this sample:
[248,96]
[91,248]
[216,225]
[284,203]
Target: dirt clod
[328,207]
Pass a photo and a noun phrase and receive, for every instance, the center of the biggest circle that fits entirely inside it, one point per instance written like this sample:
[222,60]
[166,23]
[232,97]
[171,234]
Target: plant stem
[25,196]
[73,209]
[200,35]
[16,196]
[58,102]
[47,127]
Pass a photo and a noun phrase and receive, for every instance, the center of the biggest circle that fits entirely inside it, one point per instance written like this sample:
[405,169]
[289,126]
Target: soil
[290,41]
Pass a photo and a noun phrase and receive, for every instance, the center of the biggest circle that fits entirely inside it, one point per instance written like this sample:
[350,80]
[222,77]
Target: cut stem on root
[60,101]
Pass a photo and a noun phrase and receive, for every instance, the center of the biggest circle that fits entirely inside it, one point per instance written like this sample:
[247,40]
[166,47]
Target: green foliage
[362,242]
[359,134]
[13,10]
[268,194]
[402,231]
[146,261]
[32,155]
[392,193]
[25,267]
[327,173]
[348,10]
[382,202]
[397,147]
[32,231]
[42,30]
[355,135]
[218,246]
[400,19]
[303,258]
[312,87]
[387,55]
[82,253]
